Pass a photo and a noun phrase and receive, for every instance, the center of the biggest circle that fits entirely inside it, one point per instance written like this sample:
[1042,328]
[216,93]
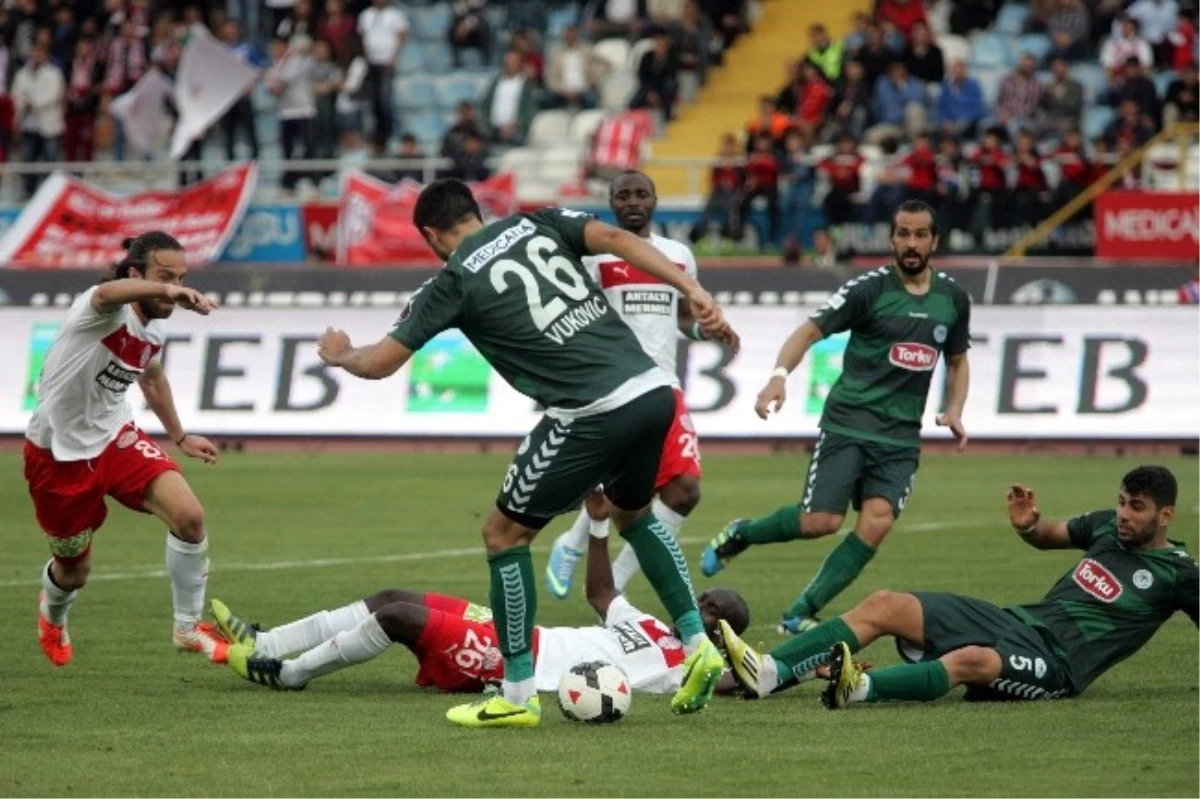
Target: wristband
[697,333]
[780,371]
[181,438]
[1030,530]
[598,529]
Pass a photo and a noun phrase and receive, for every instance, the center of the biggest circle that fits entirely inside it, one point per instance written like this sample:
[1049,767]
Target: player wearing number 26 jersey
[516,288]
[652,310]
[456,642]
[81,443]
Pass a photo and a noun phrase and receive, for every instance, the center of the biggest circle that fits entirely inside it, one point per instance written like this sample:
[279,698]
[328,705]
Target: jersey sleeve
[433,308]
[1082,529]
[1187,591]
[83,315]
[959,340]
[620,610]
[569,225]
[846,308]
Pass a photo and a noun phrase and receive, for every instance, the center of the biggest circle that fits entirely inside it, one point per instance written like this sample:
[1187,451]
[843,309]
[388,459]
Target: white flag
[209,81]
[143,111]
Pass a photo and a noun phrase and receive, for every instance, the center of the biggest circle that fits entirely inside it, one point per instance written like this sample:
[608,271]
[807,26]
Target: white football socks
[348,648]
[311,631]
[576,537]
[55,601]
[187,566]
[626,564]
[519,692]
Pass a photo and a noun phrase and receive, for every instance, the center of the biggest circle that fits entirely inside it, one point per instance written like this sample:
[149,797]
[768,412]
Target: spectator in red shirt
[843,171]
[1074,169]
[531,59]
[815,95]
[901,15]
[728,176]
[990,199]
[762,180]
[922,171]
[1182,42]
[1031,193]
[337,28]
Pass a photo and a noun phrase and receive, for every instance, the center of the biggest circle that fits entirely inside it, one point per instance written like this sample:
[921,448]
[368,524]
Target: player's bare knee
[501,533]
[388,596]
[71,576]
[973,664]
[816,525]
[188,523]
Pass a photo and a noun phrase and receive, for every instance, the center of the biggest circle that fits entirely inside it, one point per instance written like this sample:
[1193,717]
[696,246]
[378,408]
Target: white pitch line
[150,572]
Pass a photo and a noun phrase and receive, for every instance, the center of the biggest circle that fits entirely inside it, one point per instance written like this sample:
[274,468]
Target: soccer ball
[597,693]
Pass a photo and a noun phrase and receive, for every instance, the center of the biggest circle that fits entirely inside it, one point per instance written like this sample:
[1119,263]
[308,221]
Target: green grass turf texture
[130,716]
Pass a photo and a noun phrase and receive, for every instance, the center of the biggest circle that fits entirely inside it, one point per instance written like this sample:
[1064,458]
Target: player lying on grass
[1131,581]
[455,641]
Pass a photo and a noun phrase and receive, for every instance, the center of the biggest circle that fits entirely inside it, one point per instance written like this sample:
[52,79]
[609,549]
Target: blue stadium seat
[1095,119]
[990,51]
[437,57]
[989,82]
[415,94]
[1094,81]
[559,20]
[1036,44]
[412,59]
[428,128]
[455,90]
[472,60]
[1011,19]
[1162,81]
[432,24]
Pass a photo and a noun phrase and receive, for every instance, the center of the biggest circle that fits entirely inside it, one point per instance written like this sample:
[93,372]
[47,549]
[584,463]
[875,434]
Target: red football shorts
[681,451]
[68,496]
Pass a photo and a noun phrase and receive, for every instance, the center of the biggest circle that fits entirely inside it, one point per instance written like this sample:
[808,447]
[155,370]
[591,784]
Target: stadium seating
[991,51]
[1011,19]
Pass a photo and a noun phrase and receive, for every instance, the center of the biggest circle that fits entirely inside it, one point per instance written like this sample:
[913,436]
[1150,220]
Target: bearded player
[455,640]
[1130,582]
[652,310]
[82,444]
[901,318]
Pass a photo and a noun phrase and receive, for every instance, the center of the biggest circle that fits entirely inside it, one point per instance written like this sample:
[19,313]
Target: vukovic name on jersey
[577,319]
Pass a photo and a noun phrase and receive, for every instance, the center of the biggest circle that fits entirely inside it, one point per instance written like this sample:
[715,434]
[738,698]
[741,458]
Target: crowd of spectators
[329,68]
[926,126]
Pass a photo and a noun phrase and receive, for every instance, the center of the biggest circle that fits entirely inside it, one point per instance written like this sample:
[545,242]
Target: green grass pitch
[295,533]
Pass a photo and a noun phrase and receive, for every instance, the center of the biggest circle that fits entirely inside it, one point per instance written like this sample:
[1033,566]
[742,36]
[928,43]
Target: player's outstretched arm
[110,296]
[774,393]
[601,590]
[372,362]
[958,381]
[157,391]
[602,238]
[1027,520]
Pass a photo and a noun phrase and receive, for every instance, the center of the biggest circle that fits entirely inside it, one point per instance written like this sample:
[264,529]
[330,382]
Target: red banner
[1147,225]
[320,223]
[375,226]
[72,223]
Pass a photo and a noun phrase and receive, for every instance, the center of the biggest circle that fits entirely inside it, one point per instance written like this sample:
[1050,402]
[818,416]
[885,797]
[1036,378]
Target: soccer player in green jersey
[1131,580]
[901,317]
[517,290]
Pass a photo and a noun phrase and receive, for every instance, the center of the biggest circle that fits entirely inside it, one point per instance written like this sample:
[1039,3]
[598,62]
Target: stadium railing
[1183,134]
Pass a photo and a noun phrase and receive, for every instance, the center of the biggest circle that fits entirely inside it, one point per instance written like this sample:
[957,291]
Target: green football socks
[798,657]
[514,603]
[840,568]
[918,682]
[665,567]
[782,525]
